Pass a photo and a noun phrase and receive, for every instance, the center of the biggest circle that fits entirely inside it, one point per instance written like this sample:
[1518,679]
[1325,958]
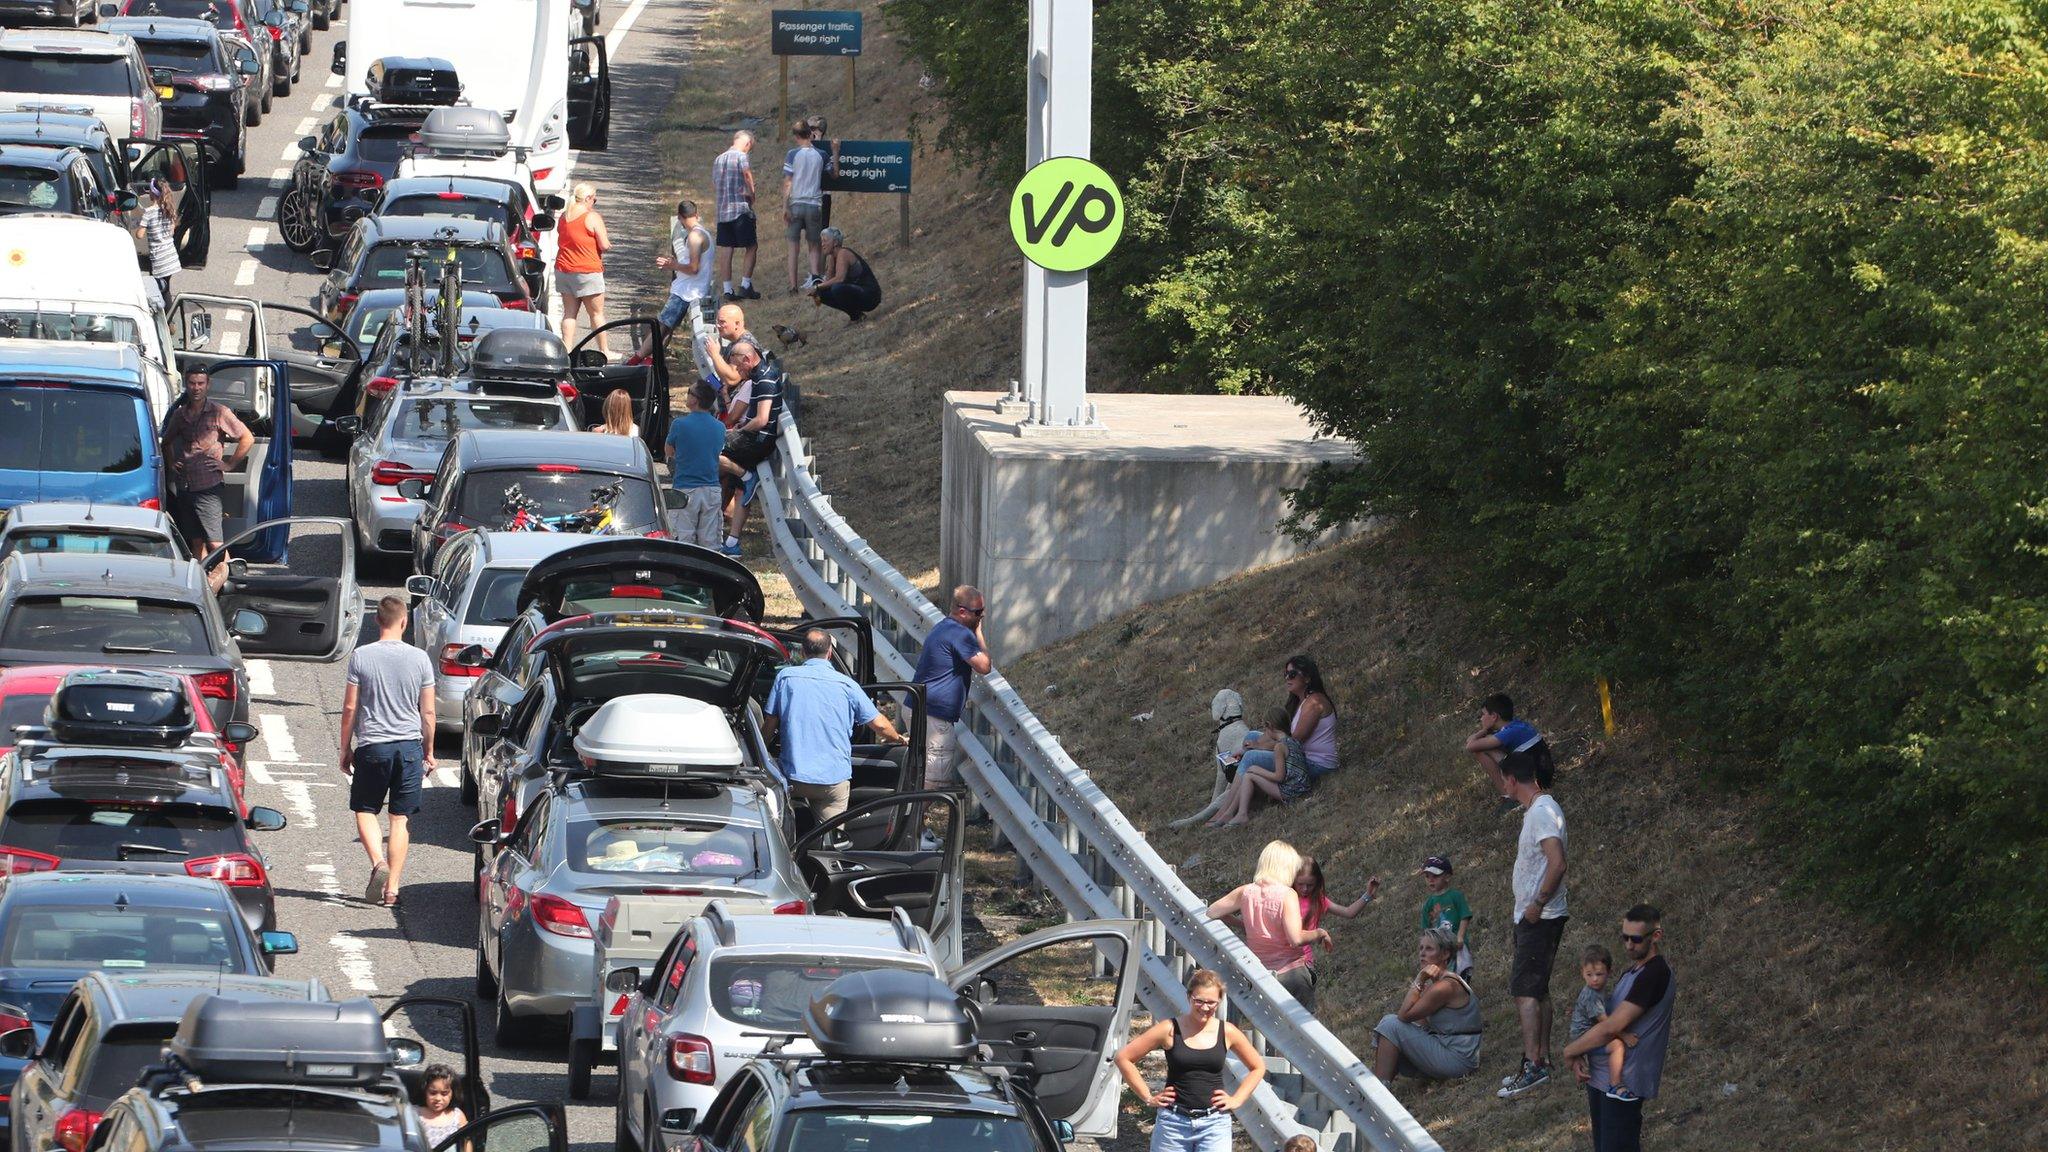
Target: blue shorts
[672,312]
[387,775]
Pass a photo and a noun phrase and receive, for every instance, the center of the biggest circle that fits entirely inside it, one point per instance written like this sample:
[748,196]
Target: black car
[118,177]
[310,1078]
[240,20]
[340,174]
[203,89]
[291,33]
[58,178]
[170,812]
[108,1030]
[55,927]
[378,248]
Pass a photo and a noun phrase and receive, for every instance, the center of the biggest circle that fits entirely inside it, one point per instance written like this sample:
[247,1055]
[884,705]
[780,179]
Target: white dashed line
[298,796]
[305,128]
[246,274]
[354,961]
[257,238]
[281,175]
[266,207]
[291,150]
[333,80]
[262,677]
[277,738]
[258,772]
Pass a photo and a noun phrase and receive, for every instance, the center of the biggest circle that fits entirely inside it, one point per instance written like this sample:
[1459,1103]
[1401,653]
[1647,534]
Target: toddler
[1596,964]
[440,1117]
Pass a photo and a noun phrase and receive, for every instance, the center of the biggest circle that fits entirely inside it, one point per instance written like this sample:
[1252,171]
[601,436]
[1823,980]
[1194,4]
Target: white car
[78,68]
[472,597]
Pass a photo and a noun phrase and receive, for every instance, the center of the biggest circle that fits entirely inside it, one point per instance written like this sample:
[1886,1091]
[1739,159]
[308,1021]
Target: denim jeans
[1179,1132]
[1617,1124]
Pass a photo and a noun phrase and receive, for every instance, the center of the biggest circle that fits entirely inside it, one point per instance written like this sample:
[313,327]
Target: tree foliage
[1718,327]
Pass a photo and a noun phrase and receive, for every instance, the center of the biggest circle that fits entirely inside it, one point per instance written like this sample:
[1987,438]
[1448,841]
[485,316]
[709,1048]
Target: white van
[524,59]
[69,278]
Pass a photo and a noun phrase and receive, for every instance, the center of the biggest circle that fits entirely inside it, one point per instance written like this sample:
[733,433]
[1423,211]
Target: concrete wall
[1064,531]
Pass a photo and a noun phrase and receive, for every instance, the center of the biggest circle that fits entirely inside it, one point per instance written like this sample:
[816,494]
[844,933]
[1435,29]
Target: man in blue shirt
[952,654]
[693,446]
[816,707]
[1499,734]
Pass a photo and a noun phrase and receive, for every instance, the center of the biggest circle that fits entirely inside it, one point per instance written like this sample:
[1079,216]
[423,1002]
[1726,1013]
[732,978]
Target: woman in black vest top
[849,283]
[1194,1108]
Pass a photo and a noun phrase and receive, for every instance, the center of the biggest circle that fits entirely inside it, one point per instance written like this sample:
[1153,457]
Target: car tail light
[618,1006]
[235,871]
[566,390]
[657,534]
[636,592]
[358,180]
[540,175]
[528,250]
[391,473]
[153,504]
[277,33]
[9,1022]
[450,668]
[208,83]
[19,860]
[135,123]
[508,812]
[792,908]
[344,302]
[557,915]
[689,1057]
[515,303]
[75,1128]
[556,468]
[216,685]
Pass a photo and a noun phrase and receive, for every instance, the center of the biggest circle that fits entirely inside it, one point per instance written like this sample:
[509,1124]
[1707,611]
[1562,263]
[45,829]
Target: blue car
[75,424]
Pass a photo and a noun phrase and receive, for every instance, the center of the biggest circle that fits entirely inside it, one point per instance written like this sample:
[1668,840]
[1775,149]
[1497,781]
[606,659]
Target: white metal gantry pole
[1060,103]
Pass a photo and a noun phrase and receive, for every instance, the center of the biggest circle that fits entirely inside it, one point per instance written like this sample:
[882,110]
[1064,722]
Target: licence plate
[166,94]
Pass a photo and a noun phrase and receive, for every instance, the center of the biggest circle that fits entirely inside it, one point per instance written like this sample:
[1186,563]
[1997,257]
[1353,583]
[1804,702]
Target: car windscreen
[120,1057]
[441,417]
[65,74]
[127,936]
[61,429]
[774,992]
[485,268]
[385,144]
[452,205]
[876,1130]
[496,598]
[71,829]
[112,543]
[188,57]
[94,327]
[105,625]
[29,187]
[646,846]
[483,496]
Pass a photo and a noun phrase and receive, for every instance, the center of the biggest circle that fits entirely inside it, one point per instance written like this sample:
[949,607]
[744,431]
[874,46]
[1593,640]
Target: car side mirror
[542,223]
[19,1043]
[264,820]
[276,943]
[248,624]
[199,331]
[239,732]
[321,258]
[406,1053]
[623,980]
[533,265]
[309,144]
[490,723]
[274,18]
[589,358]
[679,1121]
[160,77]
[421,586]
[1064,1131]
[349,426]
[413,488]
[339,64]
[248,65]
[485,833]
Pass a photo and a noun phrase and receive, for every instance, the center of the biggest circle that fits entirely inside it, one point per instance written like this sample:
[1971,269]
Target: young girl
[440,1117]
[1194,1108]
[158,230]
[1308,884]
[1284,774]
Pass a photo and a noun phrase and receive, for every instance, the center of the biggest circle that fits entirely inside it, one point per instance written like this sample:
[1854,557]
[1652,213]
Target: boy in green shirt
[1446,908]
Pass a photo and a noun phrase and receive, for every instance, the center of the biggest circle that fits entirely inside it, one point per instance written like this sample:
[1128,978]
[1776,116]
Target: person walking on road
[953,652]
[692,448]
[1194,1108]
[159,232]
[688,260]
[387,743]
[732,186]
[815,707]
[580,245]
[849,284]
[1540,914]
[1640,1005]
[194,440]
[803,209]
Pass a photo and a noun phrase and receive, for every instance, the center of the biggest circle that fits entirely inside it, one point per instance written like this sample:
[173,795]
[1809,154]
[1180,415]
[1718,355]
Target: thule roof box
[892,1015]
[463,131]
[105,707]
[289,1042]
[518,353]
[655,736]
[414,82]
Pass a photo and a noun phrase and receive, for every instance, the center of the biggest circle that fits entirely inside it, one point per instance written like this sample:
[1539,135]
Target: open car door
[645,381]
[287,609]
[445,1029]
[853,642]
[323,360]
[883,769]
[178,167]
[520,1128]
[208,330]
[259,487]
[898,851]
[1060,1000]
[590,94]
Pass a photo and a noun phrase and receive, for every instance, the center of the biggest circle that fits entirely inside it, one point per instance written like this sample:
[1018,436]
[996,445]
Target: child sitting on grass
[1596,964]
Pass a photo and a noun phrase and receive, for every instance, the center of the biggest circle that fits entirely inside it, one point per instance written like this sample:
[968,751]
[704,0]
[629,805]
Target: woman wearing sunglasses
[1312,722]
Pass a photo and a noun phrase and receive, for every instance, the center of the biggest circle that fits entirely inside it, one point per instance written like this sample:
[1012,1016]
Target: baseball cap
[1437,866]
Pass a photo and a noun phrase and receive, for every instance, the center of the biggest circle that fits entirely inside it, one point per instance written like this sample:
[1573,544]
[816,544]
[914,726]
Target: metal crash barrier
[1078,845]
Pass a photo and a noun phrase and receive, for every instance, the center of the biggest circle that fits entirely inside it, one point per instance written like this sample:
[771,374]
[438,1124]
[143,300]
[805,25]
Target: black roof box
[465,131]
[105,706]
[414,81]
[528,352]
[337,1043]
[891,1014]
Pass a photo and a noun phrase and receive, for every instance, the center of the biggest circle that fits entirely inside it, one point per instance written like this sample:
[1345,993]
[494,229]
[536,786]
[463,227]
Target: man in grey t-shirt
[387,742]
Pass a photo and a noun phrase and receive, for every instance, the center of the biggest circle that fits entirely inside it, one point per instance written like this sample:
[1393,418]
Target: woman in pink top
[1271,913]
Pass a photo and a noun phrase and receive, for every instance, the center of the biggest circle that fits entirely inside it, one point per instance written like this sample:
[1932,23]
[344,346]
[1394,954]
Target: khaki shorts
[695,516]
[941,753]
[826,800]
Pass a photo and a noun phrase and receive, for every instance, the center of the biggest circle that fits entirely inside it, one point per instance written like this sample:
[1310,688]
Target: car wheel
[512,1031]
[252,112]
[582,1059]
[469,797]
[486,983]
[295,223]
[269,95]
[622,1136]
[280,85]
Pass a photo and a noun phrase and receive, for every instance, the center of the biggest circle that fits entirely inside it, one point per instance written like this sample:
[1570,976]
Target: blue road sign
[871,166]
[802,32]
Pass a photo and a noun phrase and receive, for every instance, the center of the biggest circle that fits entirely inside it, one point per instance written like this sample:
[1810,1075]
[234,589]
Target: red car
[25,693]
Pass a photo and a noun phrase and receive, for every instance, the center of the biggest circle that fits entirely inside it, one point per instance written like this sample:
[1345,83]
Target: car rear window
[452,205]
[496,598]
[641,846]
[60,429]
[96,543]
[76,829]
[482,499]
[120,1057]
[773,992]
[185,56]
[440,418]
[485,268]
[384,144]
[105,625]
[223,11]
[65,74]
[26,186]
[606,595]
[875,1129]
[96,327]
[123,937]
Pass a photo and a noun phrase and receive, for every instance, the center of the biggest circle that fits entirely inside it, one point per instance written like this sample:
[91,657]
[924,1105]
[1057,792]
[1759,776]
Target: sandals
[380,875]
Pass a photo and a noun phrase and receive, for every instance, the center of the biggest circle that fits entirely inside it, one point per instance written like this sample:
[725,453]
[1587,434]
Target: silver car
[407,436]
[114,529]
[590,839]
[471,597]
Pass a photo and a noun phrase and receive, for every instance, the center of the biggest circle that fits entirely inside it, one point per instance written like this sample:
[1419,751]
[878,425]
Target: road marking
[258,772]
[354,962]
[333,80]
[298,794]
[291,150]
[257,238]
[246,274]
[266,207]
[324,876]
[281,175]
[305,128]
[262,678]
[277,738]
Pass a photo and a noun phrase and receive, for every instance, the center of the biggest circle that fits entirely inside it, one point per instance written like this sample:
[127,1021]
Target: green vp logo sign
[1066,214]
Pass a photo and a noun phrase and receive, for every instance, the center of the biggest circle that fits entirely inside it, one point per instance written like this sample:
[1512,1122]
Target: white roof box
[655,735]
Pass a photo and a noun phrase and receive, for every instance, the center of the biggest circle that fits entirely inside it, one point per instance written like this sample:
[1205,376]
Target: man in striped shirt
[732,186]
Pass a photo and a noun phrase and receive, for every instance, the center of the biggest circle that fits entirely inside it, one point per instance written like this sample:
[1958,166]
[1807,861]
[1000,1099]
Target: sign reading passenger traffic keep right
[1066,214]
[802,32]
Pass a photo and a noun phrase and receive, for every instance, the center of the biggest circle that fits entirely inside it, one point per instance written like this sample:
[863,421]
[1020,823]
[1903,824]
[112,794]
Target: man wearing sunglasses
[1640,1006]
[952,654]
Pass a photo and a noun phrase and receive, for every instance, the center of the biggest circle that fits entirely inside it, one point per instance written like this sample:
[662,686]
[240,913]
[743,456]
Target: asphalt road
[428,945]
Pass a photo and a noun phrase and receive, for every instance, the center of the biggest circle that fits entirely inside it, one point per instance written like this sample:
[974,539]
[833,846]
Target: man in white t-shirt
[803,200]
[1539,918]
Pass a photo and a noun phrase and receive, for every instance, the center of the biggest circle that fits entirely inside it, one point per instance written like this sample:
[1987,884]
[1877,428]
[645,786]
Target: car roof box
[334,1043]
[891,1014]
[519,352]
[656,735]
[102,706]
[465,131]
[414,81]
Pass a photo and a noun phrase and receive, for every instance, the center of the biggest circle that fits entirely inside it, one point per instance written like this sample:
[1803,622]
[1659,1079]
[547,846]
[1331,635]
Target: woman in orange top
[580,245]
